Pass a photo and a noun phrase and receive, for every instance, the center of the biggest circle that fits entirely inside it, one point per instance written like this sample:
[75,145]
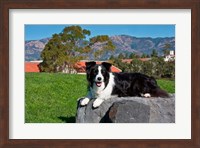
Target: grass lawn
[52,98]
[168,85]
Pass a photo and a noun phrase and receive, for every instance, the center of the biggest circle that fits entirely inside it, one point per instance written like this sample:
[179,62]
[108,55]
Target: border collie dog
[103,84]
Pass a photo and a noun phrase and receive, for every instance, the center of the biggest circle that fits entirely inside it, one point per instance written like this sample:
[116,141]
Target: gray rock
[129,110]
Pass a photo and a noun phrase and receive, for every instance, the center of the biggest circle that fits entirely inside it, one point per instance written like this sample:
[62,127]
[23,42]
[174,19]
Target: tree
[66,48]
[147,56]
[121,56]
[126,55]
[147,68]
[169,70]
[157,66]
[166,49]
[112,57]
[143,55]
[133,55]
[154,53]
[135,66]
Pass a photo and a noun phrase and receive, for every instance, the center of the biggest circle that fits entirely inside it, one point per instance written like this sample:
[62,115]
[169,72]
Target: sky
[36,32]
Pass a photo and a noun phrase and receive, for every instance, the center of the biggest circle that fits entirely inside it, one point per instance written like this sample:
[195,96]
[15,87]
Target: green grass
[52,98]
[168,85]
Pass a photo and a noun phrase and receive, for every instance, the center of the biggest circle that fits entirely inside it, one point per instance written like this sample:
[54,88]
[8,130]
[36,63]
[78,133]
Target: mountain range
[124,44]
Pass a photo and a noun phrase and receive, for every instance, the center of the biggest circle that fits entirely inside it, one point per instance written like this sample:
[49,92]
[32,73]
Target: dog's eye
[95,71]
[103,71]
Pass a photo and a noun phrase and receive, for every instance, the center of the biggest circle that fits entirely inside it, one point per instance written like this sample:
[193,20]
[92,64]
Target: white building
[170,57]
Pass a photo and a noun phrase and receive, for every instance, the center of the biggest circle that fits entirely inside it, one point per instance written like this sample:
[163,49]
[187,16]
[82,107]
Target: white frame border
[179,130]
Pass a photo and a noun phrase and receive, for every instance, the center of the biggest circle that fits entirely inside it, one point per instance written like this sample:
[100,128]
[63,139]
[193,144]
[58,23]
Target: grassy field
[52,98]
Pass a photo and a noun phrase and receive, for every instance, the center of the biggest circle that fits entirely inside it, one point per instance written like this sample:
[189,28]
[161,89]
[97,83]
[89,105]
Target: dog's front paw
[97,103]
[84,101]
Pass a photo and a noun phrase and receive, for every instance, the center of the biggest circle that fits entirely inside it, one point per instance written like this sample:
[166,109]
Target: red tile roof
[32,67]
[130,60]
[127,60]
[80,67]
[144,59]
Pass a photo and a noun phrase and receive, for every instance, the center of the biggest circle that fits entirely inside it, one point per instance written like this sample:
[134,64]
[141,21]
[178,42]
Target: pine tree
[154,53]
[132,55]
[143,55]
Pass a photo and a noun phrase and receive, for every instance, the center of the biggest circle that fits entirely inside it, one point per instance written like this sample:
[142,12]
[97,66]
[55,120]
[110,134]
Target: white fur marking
[97,103]
[85,101]
[99,75]
[95,89]
[147,95]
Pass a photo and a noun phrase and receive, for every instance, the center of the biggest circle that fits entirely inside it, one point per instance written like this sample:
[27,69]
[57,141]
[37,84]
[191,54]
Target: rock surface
[129,110]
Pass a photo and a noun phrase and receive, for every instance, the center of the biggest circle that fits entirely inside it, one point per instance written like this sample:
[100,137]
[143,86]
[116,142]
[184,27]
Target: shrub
[155,67]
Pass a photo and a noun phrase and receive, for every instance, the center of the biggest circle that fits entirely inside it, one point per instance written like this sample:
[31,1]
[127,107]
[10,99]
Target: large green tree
[71,45]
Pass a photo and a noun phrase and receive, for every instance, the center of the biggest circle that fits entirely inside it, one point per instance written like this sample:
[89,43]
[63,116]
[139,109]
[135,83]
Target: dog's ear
[89,65]
[107,66]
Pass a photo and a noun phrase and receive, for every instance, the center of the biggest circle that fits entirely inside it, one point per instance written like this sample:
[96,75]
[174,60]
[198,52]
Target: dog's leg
[97,102]
[86,100]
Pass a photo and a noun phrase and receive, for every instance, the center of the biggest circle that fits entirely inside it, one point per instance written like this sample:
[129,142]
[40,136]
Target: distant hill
[33,48]
[124,44]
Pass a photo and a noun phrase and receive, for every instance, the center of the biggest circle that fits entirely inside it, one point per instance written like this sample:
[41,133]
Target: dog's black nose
[99,78]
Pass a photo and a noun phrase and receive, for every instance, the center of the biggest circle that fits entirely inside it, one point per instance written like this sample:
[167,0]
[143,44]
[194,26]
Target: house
[80,67]
[170,57]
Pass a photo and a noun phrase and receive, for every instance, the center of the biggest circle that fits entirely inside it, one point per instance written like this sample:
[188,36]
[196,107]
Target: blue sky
[35,32]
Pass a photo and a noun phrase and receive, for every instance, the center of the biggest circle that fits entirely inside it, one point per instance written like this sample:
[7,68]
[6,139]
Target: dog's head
[98,74]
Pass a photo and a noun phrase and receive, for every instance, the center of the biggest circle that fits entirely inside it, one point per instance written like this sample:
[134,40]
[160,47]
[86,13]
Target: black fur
[135,84]
[126,84]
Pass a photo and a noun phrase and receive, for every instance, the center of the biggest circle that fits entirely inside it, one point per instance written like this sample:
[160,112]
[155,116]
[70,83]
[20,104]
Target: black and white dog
[103,84]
